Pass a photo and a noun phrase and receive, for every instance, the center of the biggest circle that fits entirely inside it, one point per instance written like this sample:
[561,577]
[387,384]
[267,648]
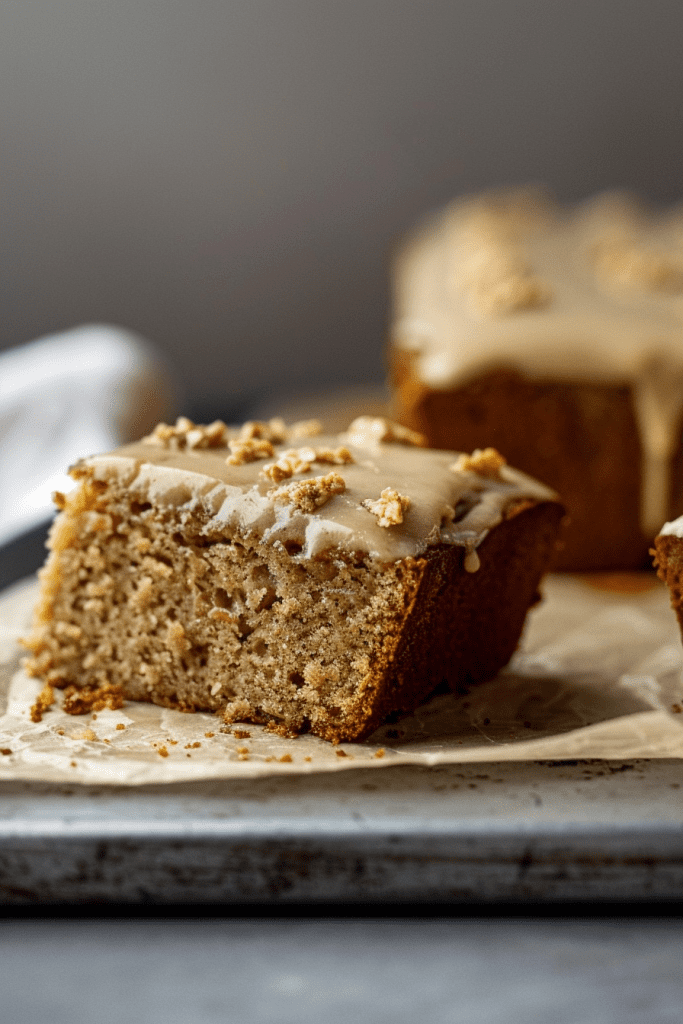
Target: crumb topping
[486,462]
[305,428]
[186,434]
[388,508]
[496,272]
[309,495]
[249,450]
[366,430]
[299,460]
[274,430]
[624,263]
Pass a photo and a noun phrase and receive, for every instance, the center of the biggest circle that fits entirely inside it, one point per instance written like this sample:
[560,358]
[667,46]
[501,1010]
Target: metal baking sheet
[529,833]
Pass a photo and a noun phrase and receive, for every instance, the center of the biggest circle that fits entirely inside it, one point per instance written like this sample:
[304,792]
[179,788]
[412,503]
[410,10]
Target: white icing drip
[614,311]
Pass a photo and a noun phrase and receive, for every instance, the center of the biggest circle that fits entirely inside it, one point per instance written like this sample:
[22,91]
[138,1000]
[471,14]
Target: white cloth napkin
[65,396]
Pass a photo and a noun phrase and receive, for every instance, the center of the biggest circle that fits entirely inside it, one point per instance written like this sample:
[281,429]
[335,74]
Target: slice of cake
[301,581]
[668,561]
[555,334]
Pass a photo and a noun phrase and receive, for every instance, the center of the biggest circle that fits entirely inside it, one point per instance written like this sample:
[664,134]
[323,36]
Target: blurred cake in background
[555,334]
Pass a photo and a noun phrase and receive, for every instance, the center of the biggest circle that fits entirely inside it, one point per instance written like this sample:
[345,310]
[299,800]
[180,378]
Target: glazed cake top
[586,293]
[673,529]
[373,489]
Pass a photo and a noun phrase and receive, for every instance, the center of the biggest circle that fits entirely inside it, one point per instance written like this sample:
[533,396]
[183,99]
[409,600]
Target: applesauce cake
[668,561]
[554,333]
[274,575]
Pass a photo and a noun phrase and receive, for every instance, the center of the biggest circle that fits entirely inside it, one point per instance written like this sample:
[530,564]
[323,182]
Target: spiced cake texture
[556,334]
[668,561]
[301,581]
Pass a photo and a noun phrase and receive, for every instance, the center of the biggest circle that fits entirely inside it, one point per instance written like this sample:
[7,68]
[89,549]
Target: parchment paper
[598,675]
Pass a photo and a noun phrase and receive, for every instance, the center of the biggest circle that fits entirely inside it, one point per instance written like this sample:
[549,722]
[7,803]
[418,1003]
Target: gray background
[228,178]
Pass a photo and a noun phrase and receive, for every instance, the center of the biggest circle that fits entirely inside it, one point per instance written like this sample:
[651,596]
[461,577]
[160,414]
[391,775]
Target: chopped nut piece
[120,726]
[162,752]
[388,508]
[485,462]
[249,451]
[309,495]
[305,428]
[336,456]
[299,460]
[44,701]
[5,751]
[380,753]
[621,262]
[367,430]
[186,434]
[274,430]
[296,460]
[285,759]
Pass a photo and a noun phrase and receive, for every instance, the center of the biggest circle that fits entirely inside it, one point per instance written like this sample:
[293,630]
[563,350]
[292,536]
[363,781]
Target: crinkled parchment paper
[598,675]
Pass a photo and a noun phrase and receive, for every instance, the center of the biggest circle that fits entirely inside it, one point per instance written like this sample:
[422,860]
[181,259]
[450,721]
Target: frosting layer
[586,293]
[389,499]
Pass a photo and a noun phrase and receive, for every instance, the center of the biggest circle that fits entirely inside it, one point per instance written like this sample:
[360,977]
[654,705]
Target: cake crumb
[380,753]
[286,759]
[486,462]
[243,750]
[176,639]
[44,702]
[82,702]
[192,746]
[341,753]
[173,743]
[162,752]
[677,709]
[308,758]
[309,495]
[367,430]
[5,751]
[388,508]
[72,763]
[210,735]
[250,450]
[84,734]
[119,726]
[239,734]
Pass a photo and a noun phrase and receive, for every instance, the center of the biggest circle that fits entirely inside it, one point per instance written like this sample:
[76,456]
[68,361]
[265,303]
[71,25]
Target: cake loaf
[668,561]
[277,576]
[556,334]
